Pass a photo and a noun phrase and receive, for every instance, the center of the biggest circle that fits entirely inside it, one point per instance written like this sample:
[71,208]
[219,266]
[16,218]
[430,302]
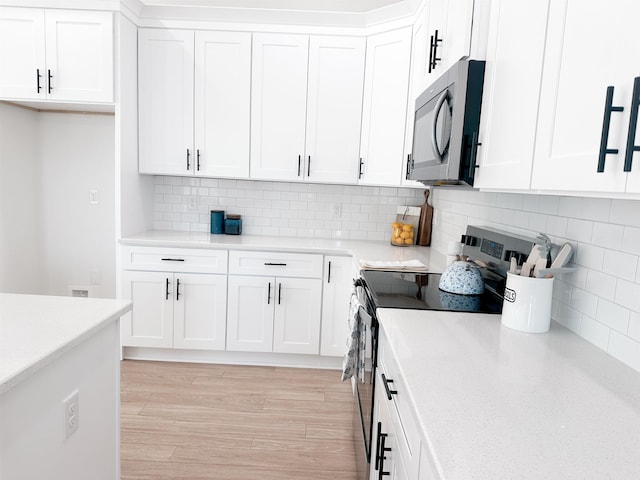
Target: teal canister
[217,221]
[233,225]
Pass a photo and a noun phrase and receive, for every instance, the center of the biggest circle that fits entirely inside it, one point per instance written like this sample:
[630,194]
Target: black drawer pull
[178,290]
[275,264]
[390,392]
[173,259]
[166,294]
[269,295]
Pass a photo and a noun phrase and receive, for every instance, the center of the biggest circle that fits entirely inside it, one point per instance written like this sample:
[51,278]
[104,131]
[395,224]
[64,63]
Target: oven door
[364,380]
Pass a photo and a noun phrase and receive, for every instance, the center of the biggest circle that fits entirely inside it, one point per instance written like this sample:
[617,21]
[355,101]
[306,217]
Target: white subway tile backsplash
[601,284]
[628,295]
[631,240]
[613,316]
[620,265]
[570,207]
[579,230]
[607,235]
[584,302]
[589,256]
[634,326]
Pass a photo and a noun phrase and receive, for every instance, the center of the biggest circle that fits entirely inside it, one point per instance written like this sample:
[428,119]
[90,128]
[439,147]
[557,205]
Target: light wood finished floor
[230,422]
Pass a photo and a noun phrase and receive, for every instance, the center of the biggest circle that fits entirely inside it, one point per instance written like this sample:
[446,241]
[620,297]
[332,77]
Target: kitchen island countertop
[37,329]
[495,403]
[359,249]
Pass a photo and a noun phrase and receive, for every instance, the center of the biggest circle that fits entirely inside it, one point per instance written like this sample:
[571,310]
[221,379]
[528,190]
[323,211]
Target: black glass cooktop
[420,291]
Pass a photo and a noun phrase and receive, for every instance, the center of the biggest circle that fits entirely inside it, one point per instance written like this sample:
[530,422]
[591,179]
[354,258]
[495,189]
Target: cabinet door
[515,54]
[417,84]
[385,107]
[22,53]
[222,103]
[150,322]
[334,108]
[278,105]
[457,36]
[200,309]
[79,51]
[336,294]
[165,102]
[296,325]
[250,313]
[578,68]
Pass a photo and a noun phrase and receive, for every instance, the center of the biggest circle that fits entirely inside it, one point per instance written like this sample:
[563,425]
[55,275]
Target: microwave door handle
[434,131]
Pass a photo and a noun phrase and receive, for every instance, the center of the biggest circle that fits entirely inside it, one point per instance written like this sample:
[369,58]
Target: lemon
[408,241]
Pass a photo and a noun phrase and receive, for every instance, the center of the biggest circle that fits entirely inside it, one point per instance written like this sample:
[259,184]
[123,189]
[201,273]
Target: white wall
[21,269]
[76,154]
[601,301]
[281,209]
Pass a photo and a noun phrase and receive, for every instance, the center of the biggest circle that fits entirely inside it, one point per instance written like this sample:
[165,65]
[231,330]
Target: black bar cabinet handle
[329,273]
[276,264]
[608,108]
[38,77]
[433,58]
[360,169]
[299,160]
[633,123]
[408,166]
[177,289]
[269,294]
[309,166]
[173,259]
[166,291]
[49,73]
[188,157]
[198,159]
[431,45]
[386,383]
[279,292]
[383,457]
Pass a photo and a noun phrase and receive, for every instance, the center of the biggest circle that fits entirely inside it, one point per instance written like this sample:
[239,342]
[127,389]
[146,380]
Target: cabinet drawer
[400,405]
[275,264]
[174,260]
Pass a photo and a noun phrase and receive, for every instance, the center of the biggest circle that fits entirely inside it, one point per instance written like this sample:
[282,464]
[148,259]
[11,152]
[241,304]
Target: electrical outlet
[71,406]
[193,204]
[93,197]
[336,210]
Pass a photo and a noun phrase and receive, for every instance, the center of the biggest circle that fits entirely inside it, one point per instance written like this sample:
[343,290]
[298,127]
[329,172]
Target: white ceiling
[345,6]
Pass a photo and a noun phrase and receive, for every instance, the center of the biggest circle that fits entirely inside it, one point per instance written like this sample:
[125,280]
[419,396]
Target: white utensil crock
[527,303]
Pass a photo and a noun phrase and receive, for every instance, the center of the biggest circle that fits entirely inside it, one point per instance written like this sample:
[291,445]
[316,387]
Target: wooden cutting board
[424,226]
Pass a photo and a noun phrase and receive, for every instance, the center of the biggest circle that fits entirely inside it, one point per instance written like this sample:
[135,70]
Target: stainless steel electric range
[420,291]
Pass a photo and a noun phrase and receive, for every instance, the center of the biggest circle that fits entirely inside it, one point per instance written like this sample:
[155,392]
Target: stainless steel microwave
[445,132]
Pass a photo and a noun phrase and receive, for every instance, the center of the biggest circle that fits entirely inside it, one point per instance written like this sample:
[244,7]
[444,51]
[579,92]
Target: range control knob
[519,256]
[470,240]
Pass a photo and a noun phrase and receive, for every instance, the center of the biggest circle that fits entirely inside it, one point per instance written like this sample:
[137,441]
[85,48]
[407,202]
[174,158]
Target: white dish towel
[354,341]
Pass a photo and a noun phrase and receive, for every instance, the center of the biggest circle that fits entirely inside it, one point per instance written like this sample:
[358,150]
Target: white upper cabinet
[385,107]
[56,55]
[194,95]
[278,106]
[222,103]
[334,108]
[448,34]
[306,107]
[165,101]
[590,46]
[511,92]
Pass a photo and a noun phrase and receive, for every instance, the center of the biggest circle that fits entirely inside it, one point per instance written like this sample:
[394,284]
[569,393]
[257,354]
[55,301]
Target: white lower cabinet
[274,302]
[180,310]
[273,314]
[338,277]
[395,425]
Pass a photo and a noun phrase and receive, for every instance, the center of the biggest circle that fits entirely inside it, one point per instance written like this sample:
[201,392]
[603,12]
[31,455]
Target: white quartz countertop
[495,403]
[360,249]
[36,329]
